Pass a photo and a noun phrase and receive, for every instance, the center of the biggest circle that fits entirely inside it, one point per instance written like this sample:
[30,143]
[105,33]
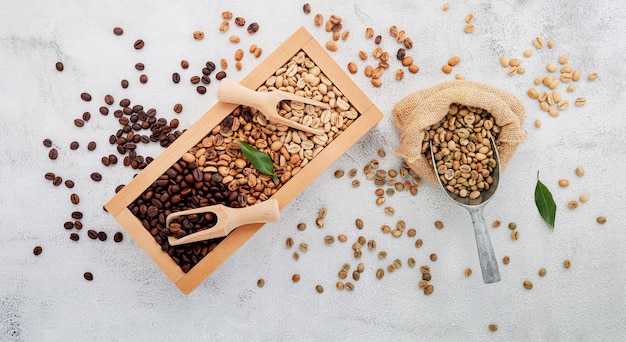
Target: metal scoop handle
[486,255]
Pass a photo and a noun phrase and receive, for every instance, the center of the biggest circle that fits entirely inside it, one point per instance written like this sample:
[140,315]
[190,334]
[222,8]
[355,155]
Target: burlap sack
[424,108]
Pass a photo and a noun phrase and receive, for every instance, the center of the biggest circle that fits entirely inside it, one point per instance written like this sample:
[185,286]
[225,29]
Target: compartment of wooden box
[369,115]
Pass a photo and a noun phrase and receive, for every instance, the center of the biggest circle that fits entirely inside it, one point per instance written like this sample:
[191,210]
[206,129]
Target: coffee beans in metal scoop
[96,177]
[59,66]
[139,44]
[118,31]
[85,97]
[88,276]
[118,237]
[53,154]
[37,250]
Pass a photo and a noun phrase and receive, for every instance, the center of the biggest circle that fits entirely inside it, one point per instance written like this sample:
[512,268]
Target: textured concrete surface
[45,298]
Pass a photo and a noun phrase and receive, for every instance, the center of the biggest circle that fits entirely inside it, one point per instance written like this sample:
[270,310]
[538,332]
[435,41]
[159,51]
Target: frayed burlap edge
[424,108]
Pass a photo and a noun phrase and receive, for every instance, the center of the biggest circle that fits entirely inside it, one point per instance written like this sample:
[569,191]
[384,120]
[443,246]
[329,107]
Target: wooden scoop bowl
[227,220]
[266,102]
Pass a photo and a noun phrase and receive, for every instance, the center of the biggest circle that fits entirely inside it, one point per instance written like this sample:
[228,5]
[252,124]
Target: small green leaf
[259,160]
[545,203]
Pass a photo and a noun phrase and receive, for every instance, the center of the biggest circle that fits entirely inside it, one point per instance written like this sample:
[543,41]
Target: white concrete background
[45,298]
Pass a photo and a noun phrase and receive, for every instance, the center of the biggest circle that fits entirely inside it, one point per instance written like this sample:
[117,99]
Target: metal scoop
[227,220]
[266,102]
[486,256]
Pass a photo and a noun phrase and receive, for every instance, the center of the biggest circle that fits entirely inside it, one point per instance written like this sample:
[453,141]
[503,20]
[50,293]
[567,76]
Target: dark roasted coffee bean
[140,66]
[378,39]
[86,116]
[306,8]
[91,146]
[124,84]
[175,77]
[102,236]
[78,225]
[239,21]
[118,31]
[145,139]
[139,44]
[88,276]
[112,139]
[74,145]
[201,89]
[57,181]
[113,158]
[53,154]
[119,188]
[47,142]
[178,108]
[220,75]
[205,79]
[253,28]
[184,64]
[210,65]
[92,234]
[118,237]
[59,66]
[37,250]
[206,71]
[74,237]
[49,176]
[143,78]
[108,99]
[69,184]
[85,96]
[68,225]
[194,79]
[77,215]
[74,199]
[124,103]
[401,54]
[106,161]
[174,123]
[95,176]
[79,122]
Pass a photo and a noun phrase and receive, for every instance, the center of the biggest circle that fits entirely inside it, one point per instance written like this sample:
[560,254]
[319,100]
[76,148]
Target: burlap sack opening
[424,108]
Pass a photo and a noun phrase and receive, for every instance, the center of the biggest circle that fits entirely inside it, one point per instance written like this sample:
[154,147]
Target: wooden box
[369,116]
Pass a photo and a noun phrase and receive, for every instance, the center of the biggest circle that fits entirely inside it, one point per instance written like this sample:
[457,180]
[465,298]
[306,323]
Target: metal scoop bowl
[486,255]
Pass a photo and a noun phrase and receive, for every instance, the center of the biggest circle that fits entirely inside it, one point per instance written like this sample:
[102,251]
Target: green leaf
[259,160]
[545,203]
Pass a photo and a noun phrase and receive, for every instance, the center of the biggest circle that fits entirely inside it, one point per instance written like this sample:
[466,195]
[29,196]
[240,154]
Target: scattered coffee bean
[201,89]
[140,66]
[184,64]
[198,35]
[77,215]
[378,39]
[102,236]
[37,250]
[49,176]
[74,237]
[92,234]
[306,8]
[253,28]
[59,66]
[175,77]
[220,75]
[69,184]
[178,108]
[118,237]
[95,176]
[79,122]
[74,199]
[118,31]
[493,327]
[205,79]
[47,142]
[194,79]
[57,181]
[91,145]
[88,276]
[139,44]
[143,78]
[260,282]
[319,288]
[86,116]
[78,225]
[239,21]
[85,97]
[53,154]
[124,84]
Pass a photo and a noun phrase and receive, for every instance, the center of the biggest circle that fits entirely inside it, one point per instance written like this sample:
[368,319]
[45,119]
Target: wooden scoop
[266,102]
[227,220]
